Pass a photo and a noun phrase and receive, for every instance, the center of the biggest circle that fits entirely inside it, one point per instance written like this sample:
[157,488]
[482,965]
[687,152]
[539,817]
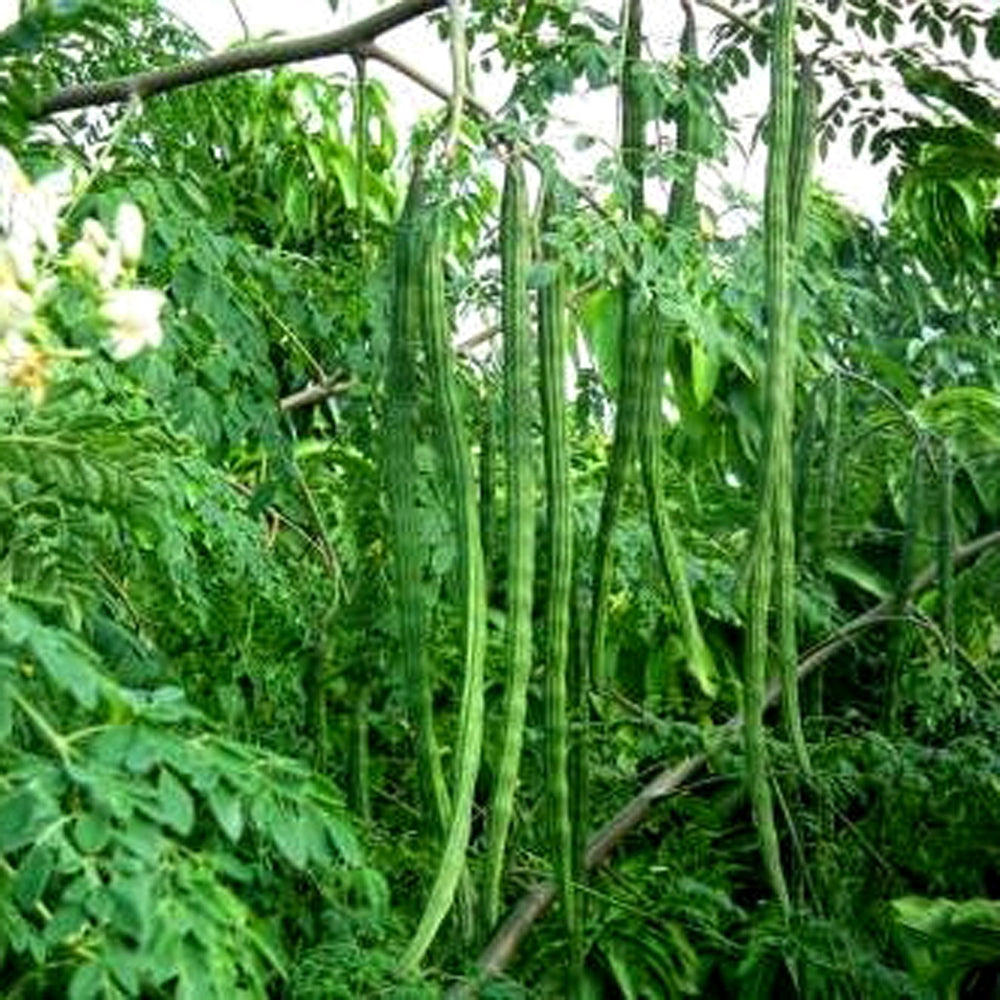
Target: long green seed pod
[784,349]
[515,244]
[631,345]
[681,218]
[458,467]
[775,492]
[802,152]
[401,423]
[487,476]
[552,384]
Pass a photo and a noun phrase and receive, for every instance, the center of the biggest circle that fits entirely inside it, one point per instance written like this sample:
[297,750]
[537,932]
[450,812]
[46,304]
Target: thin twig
[239,17]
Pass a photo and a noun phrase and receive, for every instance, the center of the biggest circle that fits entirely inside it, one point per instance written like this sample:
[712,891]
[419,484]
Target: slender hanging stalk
[401,422]
[681,218]
[515,243]
[631,344]
[831,471]
[487,476]
[946,546]
[458,465]
[459,74]
[552,385]
[775,492]
[361,154]
[899,643]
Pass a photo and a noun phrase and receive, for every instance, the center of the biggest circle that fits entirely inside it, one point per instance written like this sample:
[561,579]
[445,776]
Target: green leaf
[92,832]
[852,569]
[176,803]
[87,982]
[600,317]
[66,659]
[227,810]
[33,875]
[704,373]
[993,36]
[6,712]
[17,811]
[290,836]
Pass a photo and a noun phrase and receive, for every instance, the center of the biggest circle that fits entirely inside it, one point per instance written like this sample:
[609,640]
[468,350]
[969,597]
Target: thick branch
[238,60]
[499,952]
[315,392]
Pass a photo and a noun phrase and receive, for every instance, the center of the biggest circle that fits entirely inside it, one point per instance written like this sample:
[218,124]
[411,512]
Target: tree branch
[315,392]
[239,60]
[731,15]
[499,952]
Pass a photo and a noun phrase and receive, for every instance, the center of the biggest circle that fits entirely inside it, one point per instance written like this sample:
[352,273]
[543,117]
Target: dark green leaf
[17,812]
[33,874]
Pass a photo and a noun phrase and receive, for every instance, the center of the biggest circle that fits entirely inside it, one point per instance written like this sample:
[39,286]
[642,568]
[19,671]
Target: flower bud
[130,229]
[93,232]
[22,261]
[84,255]
[134,316]
[17,310]
[111,266]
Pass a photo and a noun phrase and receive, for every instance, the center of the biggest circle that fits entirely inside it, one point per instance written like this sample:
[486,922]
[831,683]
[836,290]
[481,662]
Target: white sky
[859,185]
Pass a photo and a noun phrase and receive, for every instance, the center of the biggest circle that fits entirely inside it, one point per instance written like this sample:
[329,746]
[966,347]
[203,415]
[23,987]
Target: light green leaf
[176,803]
[92,832]
[227,810]
[704,373]
[87,982]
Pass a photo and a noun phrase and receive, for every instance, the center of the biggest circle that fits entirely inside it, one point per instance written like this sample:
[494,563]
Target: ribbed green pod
[631,348]
[681,219]
[802,153]
[776,478]
[458,468]
[401,422]
[784,348]
[515,244]
[552,385]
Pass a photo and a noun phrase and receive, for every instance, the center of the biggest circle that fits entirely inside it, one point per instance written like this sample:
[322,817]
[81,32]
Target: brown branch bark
[239,60]
[370,51]
[316,392]
[499,952]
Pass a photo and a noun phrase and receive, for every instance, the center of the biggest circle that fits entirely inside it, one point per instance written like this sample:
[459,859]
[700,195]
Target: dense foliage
[322,642]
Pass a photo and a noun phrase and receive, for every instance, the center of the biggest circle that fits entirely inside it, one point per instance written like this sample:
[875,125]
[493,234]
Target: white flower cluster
[132,314]
[29,223]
